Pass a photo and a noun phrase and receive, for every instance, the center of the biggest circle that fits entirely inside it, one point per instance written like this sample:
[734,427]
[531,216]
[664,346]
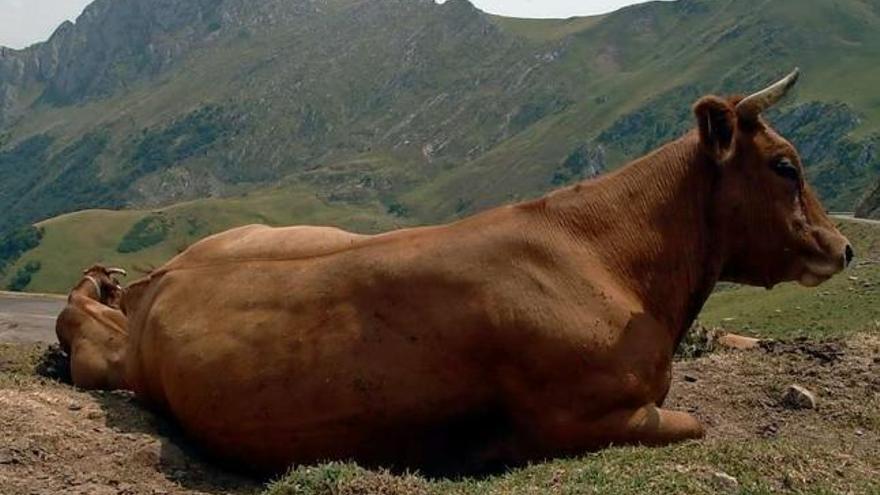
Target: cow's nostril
[849,254]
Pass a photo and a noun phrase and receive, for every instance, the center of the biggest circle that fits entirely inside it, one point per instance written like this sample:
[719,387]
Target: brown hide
[248,243]
[539,329]
[92,331]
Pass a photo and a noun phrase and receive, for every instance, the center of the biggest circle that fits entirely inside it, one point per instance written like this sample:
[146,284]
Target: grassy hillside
[641,68]
[75,241]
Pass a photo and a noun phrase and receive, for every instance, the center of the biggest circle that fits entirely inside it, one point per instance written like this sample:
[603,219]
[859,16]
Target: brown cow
[92,331]
[539,329]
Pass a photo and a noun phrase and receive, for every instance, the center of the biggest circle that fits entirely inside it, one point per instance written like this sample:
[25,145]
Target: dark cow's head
[772,225]
[101,284]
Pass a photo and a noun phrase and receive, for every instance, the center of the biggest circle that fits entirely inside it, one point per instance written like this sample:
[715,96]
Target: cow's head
[772,227]
[102,284]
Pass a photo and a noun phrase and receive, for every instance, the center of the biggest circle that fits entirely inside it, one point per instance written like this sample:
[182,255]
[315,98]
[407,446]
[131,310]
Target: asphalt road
[28,318]
[850,218]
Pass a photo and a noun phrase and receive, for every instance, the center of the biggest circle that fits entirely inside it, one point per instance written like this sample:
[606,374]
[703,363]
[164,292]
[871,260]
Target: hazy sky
[549,8]
[23,22]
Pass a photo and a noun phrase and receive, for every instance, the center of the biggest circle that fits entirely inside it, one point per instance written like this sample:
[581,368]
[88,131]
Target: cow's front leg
[651,425]
[562,433]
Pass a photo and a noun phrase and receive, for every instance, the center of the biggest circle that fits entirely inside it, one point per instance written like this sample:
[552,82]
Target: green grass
[846,304]
[760,466]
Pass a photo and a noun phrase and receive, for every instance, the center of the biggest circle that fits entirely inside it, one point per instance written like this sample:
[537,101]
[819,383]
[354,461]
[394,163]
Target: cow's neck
[651,222]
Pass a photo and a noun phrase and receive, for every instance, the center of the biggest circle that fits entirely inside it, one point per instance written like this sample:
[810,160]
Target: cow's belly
[275,378]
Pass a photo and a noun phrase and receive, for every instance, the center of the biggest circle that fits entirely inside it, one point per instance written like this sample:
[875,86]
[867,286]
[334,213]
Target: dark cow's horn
[114,271]
[752,106]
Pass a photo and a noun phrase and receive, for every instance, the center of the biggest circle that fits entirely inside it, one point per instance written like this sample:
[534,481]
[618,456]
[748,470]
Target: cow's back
[261,242]
[242,244]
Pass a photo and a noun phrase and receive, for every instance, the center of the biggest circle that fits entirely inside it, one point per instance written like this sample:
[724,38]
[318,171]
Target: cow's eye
[784,168]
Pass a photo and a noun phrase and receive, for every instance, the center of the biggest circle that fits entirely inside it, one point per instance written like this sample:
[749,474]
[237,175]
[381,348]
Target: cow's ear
[717,122]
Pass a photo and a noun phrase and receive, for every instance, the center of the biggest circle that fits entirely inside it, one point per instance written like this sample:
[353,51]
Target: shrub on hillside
[147,232]
[18,242]
[24,276]
[195,134]
[397,209]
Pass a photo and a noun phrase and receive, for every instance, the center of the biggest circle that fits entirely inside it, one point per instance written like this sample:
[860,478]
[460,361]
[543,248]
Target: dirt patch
[55,439]
[827,352]
[739,395]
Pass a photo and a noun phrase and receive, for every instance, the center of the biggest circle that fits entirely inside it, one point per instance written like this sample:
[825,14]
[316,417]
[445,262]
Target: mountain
[403,110]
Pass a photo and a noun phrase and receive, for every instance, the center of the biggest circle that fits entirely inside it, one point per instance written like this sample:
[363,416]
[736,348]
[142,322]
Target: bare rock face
[870,205]
[115,42]
[798,397]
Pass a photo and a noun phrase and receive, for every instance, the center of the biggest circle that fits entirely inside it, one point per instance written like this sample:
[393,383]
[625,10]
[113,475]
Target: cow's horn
[752,106]
[120,271]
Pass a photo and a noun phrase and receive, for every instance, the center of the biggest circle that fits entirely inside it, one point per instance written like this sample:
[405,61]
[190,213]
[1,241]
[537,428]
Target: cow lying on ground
[92,331]
[540,329]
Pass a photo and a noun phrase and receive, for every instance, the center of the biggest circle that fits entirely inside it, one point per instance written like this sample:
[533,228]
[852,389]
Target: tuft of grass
[698,341]
[337,478]
[760,466]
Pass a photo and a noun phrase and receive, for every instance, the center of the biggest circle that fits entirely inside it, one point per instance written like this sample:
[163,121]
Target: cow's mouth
[816,273]
[809,279]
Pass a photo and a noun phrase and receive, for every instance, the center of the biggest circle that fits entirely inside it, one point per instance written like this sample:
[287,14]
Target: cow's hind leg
[564,433]
[88,368]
